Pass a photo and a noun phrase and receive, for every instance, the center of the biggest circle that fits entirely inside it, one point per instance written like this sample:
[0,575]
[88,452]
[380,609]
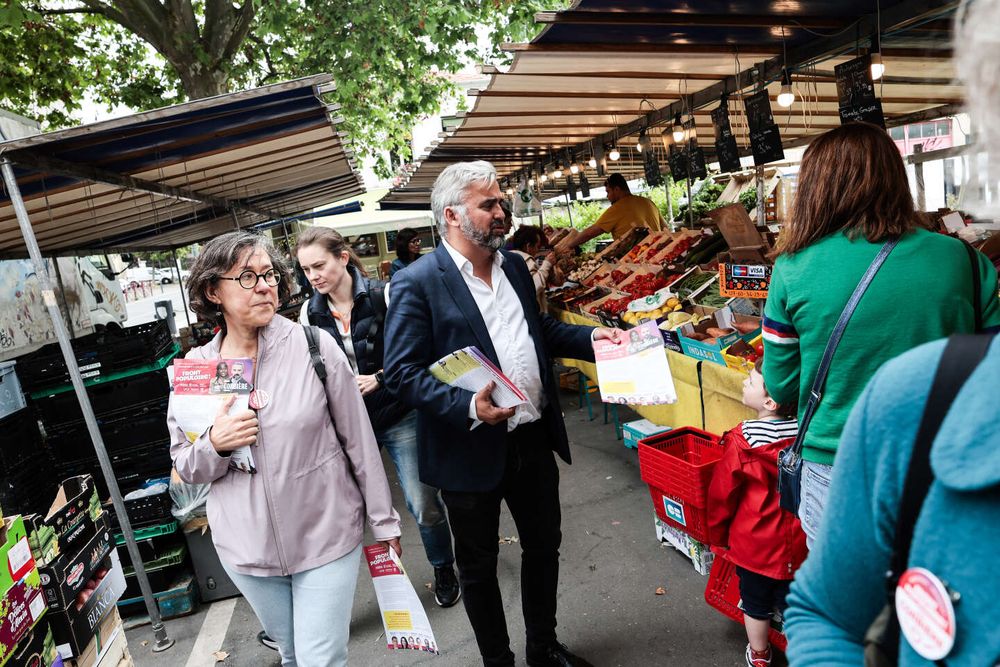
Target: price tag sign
[926,615]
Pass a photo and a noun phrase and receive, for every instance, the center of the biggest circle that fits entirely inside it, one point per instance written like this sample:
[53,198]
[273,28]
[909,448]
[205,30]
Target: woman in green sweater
[852,196]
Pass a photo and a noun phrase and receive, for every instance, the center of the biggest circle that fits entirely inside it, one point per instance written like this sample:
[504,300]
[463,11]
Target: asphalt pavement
[143,309]
[611,568]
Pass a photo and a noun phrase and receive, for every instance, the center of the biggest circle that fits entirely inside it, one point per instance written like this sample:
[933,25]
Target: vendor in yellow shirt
[627,211]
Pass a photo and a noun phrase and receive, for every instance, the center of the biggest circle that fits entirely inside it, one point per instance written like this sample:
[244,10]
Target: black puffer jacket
[368,336]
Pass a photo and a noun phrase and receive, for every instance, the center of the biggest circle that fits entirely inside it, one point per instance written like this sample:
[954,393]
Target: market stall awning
[367,222]
[181,174]
[606,69]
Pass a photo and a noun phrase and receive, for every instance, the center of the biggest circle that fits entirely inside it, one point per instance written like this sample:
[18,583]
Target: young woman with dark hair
[527,242]
[852,197]
[408,246]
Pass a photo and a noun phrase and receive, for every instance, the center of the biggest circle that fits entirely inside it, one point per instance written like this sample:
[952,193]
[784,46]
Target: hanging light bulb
[574,168]
[531,182]
[878,69]
[557,172]
[543,178]
[678,130]
[510,192]
[786,97]
[614,154]
[593,162]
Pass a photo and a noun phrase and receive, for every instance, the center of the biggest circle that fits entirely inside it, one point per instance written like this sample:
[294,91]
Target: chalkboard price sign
[765,144]
[758,108]
[868,113]
[696,163]
[726,150]
[678,163]
[651,167]
[584,186]
[854,82]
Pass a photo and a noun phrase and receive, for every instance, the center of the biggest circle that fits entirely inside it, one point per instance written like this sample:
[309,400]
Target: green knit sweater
[923,292]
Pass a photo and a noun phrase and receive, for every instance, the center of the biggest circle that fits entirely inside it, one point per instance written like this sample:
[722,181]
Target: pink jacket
[319,472]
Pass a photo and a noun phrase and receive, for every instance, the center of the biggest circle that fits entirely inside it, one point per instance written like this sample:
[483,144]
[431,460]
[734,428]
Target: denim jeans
[309,613]
[424,502]
[815,489]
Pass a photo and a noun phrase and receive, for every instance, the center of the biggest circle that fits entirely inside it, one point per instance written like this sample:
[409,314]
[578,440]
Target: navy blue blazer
[432,313]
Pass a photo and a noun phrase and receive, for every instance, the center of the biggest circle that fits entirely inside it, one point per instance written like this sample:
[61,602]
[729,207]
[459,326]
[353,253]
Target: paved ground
[608,609]
[142,310]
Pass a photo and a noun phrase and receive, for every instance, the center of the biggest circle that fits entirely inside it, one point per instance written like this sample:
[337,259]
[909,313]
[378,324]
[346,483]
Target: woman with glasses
[408,247]
[289,535]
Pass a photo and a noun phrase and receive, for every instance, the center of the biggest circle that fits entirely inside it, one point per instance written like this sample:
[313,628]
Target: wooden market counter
[709,396]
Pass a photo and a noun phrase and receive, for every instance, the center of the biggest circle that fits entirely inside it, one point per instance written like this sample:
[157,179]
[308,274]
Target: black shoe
[446,588]
[554,655]
[267,641]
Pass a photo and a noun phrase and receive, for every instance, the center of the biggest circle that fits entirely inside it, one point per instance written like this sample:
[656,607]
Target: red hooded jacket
[745,522]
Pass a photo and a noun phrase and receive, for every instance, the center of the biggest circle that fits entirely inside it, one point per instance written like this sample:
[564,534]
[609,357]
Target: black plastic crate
[159,580]
[143,511]
[132,467]
[30,487]
[154,549]
[20,440]
[98,354]
[128,428]
[106,399]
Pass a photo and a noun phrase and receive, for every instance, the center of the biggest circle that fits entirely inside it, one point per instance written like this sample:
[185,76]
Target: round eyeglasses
[248,279]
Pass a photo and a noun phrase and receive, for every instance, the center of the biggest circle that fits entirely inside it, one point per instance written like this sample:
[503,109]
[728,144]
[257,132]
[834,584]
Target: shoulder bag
[960,358]
[790,459]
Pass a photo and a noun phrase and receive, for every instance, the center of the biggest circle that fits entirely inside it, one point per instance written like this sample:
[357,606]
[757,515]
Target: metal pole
[48,296]
[670,204]
[761,212]
[180,283]
[569,210]
[690,204]
[236,220]
[62,291]
[918,173]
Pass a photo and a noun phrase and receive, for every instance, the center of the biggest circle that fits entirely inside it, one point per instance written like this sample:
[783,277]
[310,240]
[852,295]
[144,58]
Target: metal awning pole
[180,283]
[49,297]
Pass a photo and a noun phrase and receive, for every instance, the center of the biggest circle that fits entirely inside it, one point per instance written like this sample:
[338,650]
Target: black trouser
[530,486]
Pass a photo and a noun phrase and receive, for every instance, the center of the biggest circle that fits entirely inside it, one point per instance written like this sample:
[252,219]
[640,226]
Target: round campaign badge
[259,399]
[926,615]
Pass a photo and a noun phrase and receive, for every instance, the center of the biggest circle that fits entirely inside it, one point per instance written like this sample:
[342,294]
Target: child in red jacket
[745,522]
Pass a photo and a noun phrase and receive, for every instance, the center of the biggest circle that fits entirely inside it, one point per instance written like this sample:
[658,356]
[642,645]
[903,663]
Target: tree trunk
[199,82]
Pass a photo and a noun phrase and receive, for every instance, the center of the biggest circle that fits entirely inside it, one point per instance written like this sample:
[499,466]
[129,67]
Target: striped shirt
[760,432]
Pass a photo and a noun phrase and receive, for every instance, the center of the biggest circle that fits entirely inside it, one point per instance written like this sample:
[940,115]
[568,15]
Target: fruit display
[642,285]
[705,248]
[711,297]
[623,245]
[583,269]
[669,307]
[90,587]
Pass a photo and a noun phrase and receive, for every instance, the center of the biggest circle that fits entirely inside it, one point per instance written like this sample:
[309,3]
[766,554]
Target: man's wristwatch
[380,378]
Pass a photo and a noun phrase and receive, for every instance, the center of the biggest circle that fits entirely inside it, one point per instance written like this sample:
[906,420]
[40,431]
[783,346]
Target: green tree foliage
[390,58]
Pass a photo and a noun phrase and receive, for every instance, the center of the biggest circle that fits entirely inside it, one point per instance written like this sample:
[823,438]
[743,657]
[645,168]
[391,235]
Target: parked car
[168,275]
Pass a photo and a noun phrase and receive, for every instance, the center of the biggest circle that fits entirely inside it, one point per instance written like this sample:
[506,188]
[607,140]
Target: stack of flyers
[472,370]
[404,618]
[635,371]
[199,387]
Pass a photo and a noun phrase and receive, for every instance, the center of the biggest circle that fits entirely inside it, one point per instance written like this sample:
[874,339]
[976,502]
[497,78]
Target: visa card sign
[749,281]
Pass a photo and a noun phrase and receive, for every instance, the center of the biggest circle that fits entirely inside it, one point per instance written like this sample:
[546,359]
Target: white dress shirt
[504,316]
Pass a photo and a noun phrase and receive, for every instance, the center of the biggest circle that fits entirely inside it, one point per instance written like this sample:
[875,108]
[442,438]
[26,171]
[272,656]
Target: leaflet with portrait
[199,387]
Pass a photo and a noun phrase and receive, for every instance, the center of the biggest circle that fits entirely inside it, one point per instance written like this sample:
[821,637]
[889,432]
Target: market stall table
[709,395]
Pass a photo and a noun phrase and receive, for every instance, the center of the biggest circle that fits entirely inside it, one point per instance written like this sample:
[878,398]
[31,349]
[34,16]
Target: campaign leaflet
[472,370]
[403,617]
[635,371]
[200,386]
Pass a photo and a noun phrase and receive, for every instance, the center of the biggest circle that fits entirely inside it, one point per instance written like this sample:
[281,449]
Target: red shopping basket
[677,466]
[723,593]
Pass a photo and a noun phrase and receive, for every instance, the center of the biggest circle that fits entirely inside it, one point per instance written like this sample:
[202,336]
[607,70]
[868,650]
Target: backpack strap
[312,339]
[961,356]
[376,298]
[977,286]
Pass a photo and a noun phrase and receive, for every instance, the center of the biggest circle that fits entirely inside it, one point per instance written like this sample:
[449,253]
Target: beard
[491,240]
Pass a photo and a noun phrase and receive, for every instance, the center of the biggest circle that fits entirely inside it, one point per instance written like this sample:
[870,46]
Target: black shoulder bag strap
[977,286]
[312,338]
[376,298]
[960,358]
[816,393]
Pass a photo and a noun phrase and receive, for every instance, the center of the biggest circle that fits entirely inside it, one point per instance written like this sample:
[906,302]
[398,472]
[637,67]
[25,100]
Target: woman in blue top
[407,249]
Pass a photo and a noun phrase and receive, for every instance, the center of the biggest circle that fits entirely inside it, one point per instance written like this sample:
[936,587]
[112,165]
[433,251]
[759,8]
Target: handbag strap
[315,357]
[961,356]
[816,392]
[977,286]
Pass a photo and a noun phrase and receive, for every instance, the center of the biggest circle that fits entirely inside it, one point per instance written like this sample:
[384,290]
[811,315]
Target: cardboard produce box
[23,601]
[74,628]
[37,649]
[68,574]
[744,271]
[73,518]
[108,647]
[709,350]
